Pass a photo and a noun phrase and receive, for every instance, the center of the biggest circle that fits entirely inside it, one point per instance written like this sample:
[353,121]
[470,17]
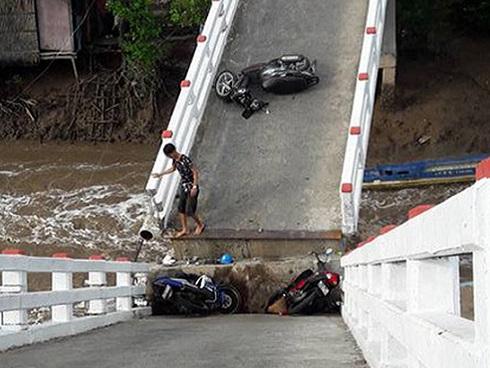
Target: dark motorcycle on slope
[285,75]
[310,292]
[193,294]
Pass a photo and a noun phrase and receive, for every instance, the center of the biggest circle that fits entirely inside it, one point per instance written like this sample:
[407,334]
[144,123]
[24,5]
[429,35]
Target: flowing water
[73,195]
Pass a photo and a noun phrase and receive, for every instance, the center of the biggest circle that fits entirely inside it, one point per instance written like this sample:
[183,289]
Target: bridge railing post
[97,279]
[432,287]
[354,302]
[362,309]
[393,290]
[124,279]
[61,281]
[14,282]
[374,330]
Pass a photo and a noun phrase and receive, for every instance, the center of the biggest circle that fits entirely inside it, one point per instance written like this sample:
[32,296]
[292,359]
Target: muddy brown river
[73,195]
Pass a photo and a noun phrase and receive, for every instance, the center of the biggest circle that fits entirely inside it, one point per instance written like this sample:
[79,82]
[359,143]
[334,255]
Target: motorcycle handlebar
[318,259]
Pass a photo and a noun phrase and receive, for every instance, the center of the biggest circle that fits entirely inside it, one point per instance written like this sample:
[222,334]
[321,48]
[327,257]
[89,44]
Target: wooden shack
[35,30]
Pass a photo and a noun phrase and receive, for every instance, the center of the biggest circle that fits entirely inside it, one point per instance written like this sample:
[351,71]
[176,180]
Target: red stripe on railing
[14,252]
[386,229]
[418,210]
[483,169]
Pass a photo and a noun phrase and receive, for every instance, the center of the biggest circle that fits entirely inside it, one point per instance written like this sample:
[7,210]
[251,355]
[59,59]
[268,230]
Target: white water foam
[95,216]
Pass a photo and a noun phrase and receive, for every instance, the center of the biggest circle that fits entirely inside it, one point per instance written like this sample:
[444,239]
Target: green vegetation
[188,13]
[140,43]
[147,30]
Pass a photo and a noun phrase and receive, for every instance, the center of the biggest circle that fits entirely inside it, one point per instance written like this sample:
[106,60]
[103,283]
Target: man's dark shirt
[184,167]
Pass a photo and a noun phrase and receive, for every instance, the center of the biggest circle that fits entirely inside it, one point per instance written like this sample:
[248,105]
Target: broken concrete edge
[256,279]
[254,248]
[245,234]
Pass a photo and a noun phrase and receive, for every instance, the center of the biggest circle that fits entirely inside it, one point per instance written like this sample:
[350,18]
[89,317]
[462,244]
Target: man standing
[189,188]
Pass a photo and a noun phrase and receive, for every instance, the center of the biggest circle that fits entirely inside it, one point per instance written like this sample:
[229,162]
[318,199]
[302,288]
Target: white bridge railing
[402,288]
[16,299]
[362,111]
[192,100]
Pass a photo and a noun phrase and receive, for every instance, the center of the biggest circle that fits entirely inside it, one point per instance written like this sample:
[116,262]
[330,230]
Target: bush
[141,43]
[188,13]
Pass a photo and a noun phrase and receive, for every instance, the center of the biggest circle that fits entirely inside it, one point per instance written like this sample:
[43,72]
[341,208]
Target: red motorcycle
[310,292]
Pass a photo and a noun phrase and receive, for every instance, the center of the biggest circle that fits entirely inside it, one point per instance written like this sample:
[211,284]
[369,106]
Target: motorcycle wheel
[333,300]
[224,84]
[302,306]
[231,300]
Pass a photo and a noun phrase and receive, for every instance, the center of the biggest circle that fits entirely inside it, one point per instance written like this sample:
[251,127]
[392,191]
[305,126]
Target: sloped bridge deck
[281,171]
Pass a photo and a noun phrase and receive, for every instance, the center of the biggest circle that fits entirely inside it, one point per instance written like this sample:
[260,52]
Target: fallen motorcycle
[310,292]
[193,294]
[284,75]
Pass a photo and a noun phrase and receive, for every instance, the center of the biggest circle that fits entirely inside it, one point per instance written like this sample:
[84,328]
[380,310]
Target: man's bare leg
[183,222]
[200,225]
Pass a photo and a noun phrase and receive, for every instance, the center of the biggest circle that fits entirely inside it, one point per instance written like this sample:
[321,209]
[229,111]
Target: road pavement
[245,341]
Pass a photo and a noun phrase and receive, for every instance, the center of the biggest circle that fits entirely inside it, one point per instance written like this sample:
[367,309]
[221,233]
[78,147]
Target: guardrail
[402,288]
[362,111]
[191,103]
[16,300]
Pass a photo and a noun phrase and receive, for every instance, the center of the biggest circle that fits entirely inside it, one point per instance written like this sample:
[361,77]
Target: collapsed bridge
[295,173]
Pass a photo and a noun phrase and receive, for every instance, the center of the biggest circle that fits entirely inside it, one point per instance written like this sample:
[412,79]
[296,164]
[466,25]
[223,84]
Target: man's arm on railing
[166,172]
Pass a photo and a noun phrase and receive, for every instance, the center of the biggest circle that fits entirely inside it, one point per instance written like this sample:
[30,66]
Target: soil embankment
[442,107]
[47,103]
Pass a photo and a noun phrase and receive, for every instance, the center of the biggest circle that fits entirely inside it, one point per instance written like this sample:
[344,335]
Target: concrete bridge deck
[220,341]
[281,171]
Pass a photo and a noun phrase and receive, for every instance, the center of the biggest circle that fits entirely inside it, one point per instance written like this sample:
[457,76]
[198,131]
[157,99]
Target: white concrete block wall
[16,299]
[402,292]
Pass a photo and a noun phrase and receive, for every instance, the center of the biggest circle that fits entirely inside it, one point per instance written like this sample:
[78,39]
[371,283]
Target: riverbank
[442,106]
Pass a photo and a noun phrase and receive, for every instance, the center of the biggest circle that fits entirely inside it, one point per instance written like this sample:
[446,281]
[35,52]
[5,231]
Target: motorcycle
[193,294]
[310,292]
[284,75]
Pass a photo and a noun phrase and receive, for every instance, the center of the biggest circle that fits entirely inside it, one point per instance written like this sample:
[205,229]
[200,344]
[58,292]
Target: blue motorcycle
[193,294]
